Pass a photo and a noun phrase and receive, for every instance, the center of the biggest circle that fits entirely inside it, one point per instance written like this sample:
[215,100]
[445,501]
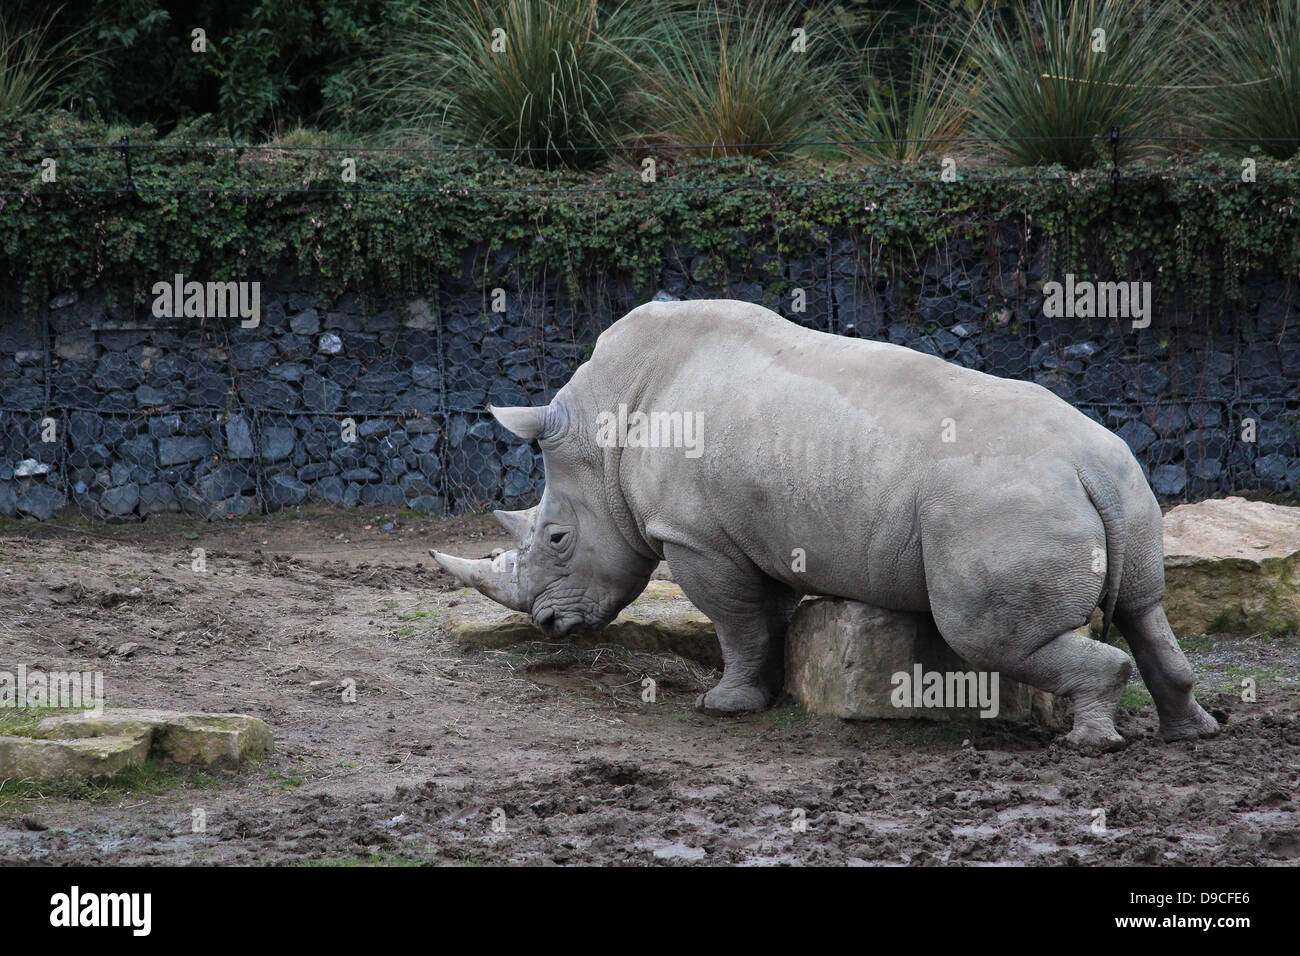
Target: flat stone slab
[88,758]
[660,620]
[1232,565]
[90,745]
[843,659]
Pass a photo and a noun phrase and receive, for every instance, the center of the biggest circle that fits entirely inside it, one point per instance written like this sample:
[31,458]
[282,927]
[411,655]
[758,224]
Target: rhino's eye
[558,538]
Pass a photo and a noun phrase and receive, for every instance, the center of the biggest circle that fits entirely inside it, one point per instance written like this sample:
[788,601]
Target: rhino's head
[573,567]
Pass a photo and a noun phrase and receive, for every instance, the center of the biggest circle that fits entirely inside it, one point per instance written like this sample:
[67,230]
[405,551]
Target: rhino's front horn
[497,577]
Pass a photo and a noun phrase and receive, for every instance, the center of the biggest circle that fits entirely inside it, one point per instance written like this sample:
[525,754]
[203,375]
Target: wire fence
[125,420]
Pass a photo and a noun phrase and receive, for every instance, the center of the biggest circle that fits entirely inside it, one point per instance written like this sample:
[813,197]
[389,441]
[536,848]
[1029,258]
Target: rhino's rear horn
[497,577]
[519,523]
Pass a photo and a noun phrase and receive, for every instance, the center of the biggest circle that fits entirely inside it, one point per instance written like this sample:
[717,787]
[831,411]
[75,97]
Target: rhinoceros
[882,474]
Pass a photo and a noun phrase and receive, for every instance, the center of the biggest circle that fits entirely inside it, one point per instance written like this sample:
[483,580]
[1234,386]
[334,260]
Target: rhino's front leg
[750,613]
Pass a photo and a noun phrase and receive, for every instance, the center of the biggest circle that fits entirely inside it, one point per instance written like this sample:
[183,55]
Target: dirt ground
[546,754]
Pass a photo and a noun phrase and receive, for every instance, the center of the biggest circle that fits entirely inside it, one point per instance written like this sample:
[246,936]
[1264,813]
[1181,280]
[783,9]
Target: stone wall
[123,415]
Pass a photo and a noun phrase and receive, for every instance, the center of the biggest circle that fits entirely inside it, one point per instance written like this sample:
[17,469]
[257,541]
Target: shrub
[902,119]
[31,67]
[727,80]
[1049,96]
[1253,77]
[545,79]
[267,62]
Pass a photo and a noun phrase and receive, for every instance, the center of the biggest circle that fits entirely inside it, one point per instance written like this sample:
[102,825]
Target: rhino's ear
[525,421]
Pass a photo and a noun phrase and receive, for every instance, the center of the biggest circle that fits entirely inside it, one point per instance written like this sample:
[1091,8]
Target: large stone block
[1232,565]
[91,744]
[843,658]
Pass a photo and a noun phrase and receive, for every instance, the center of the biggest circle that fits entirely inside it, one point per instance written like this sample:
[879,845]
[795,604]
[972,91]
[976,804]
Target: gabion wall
[124,415]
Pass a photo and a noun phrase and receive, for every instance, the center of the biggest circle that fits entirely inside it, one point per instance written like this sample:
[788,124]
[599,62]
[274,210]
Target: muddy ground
[555,744]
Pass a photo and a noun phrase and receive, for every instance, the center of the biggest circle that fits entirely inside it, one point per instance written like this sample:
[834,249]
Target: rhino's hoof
[722,701]
[1197,724]
[1094,738]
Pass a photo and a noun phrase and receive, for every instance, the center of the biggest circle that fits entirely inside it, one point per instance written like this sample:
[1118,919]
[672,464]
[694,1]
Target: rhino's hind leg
[1166,672]
[1017,633]
[1092,674]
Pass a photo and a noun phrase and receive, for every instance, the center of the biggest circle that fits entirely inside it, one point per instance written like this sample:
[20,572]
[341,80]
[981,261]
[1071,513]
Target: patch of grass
[789,716]
[300,136]
[284,782]
[1280,627]
[22,721]
[1135,696]
[1225,622]
[419,613]
[150,779]
[1197,642]
[31,67]
[1235,673]
[656,596]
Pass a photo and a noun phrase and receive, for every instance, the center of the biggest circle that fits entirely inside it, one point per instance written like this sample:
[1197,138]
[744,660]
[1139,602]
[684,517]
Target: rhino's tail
[1105,498]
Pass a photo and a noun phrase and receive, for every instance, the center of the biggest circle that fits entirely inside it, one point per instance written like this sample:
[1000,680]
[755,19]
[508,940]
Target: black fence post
[124,145]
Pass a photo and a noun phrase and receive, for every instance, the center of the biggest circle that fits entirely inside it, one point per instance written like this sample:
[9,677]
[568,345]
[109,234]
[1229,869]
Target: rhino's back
[692,352]
[812,437]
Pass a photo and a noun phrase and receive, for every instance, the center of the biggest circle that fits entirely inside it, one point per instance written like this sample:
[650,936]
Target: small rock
[1081,350]
[127,649]
[29,467]
[679,851]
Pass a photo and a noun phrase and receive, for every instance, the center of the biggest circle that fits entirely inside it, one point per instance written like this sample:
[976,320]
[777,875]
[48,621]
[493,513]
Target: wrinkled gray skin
[1010,535]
